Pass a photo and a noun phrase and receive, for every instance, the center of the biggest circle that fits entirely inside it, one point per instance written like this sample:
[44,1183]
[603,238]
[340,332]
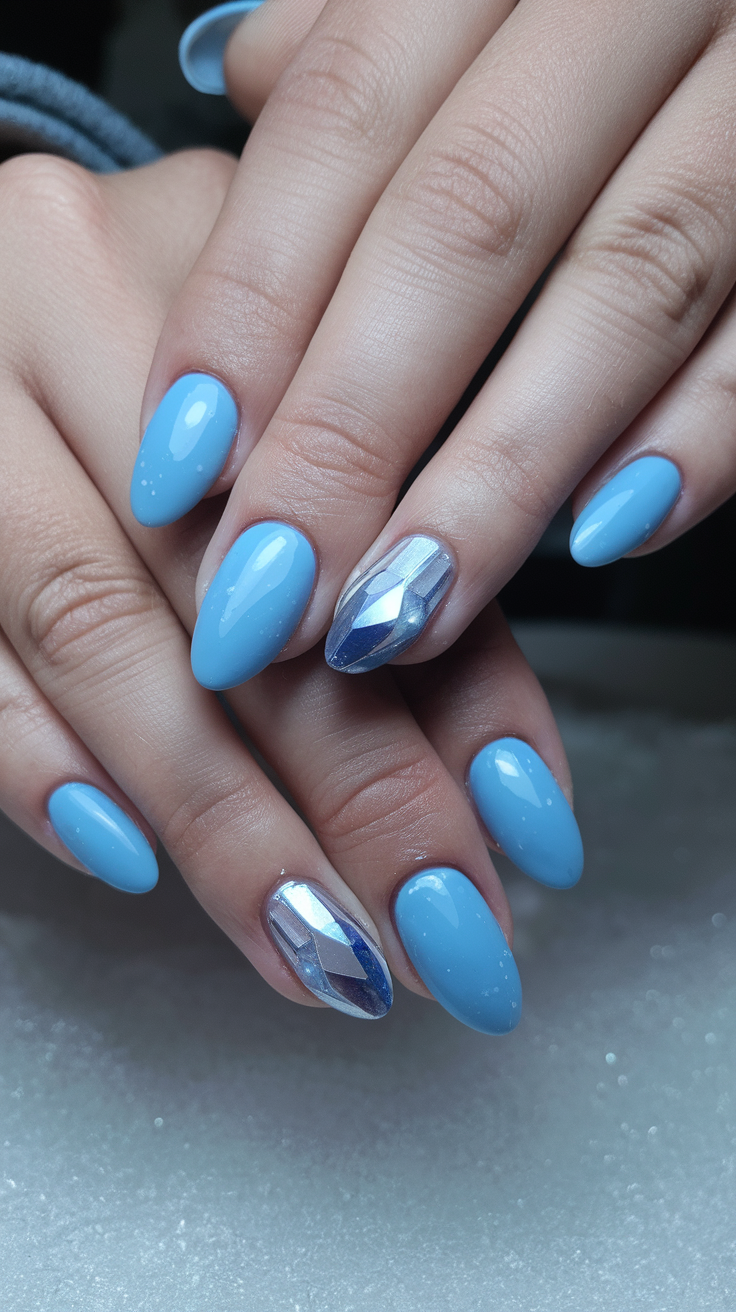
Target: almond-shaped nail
[332,954]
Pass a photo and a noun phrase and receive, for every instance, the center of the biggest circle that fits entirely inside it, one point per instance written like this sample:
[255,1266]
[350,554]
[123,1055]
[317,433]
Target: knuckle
[206,813]
[256,310]
[657,256]
[390,800]
[46,197]
[337,447]
[473,196]
[84,609]
[23,715]
[342,89]
[507,471]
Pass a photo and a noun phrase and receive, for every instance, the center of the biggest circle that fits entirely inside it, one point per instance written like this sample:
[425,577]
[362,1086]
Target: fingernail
[330,952]
[184,449]
[457,948]
[527,813]
[387,608]
[253,605]
[202,47]
[100,835]
[626,511]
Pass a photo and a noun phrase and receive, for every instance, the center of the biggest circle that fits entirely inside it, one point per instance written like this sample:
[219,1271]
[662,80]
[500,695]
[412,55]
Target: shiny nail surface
[387,608]
[330,952]
[202,46]
[100,835]
[626,511]
[525,810]
[457,948]
[183,450]
[253,605]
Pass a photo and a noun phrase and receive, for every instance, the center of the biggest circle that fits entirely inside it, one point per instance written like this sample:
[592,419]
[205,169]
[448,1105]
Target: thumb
[241,48]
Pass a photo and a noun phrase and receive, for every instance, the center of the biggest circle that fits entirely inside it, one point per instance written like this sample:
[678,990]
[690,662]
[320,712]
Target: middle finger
[489,194]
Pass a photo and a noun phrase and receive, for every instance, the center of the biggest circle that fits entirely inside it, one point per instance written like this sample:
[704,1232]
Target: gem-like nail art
[387,608]
[332,954]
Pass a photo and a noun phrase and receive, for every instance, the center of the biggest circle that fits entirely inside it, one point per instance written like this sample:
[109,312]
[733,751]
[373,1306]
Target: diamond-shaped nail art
[332,954]
[386,609]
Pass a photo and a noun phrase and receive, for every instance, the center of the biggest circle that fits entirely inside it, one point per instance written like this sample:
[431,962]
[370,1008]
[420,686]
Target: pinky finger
[56,791]
[673,466]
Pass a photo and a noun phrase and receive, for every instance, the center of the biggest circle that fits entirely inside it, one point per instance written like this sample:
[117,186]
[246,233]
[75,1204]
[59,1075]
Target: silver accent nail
[332,954]
[386,609]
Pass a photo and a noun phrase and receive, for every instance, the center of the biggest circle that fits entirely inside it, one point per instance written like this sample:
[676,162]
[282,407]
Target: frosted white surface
[176,1138]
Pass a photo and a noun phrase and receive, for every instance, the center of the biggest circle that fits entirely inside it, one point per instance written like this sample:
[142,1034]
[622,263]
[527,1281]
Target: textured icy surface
[174,1136]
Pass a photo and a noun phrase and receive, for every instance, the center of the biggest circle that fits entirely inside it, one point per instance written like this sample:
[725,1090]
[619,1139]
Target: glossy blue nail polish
[100,835]
[253,605]
[458,949]
[527,813]
[202,45]
[626,511]
[184,449]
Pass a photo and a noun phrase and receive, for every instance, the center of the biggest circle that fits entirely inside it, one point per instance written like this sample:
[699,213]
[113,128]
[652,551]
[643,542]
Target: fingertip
[202,45]
[258,51]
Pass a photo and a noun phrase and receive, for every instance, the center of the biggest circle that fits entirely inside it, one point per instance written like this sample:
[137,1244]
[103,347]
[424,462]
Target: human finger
[96,635]
[484,712]
[55,790]
[220,51]
[391,818]
[626,305]
[672,467]
[487,196]
[348,107]
[103,647]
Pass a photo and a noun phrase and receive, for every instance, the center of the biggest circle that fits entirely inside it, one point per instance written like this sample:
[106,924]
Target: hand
[412,174]
[106,739]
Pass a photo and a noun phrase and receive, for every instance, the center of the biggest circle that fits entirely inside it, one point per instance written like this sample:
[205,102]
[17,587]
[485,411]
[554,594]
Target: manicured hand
[414,171]
[107,740]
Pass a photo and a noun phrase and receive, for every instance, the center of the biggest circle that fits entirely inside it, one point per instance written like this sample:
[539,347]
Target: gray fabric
[41,109]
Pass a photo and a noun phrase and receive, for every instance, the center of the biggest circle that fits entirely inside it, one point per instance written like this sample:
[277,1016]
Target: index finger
[339,122]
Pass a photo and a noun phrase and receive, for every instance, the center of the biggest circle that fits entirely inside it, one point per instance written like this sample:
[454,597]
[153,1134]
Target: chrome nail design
[386,609]
[332,954]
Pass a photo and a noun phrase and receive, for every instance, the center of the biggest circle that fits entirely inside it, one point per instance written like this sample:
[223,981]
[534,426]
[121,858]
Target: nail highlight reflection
[330,952]
[387,608]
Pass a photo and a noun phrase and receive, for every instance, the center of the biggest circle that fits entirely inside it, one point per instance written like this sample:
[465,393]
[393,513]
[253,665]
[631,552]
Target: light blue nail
[202,46]
[100,835]
[253,605]
[457,948]
[184,449]
[626,511]
[527,813]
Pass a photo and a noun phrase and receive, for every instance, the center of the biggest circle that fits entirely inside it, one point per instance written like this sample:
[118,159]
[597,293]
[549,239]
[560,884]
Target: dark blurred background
[126,51]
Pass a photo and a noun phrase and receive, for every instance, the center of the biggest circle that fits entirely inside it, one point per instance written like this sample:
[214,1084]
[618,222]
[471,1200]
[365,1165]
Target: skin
[407,181]
[96,611]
